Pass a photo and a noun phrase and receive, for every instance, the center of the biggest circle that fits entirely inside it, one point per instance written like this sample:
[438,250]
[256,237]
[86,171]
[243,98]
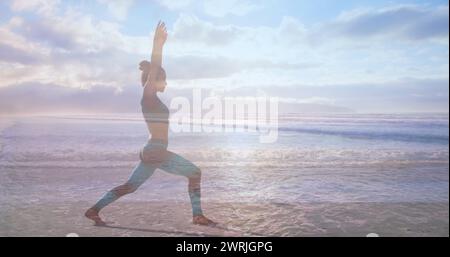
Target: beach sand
[236,219]
[51,202]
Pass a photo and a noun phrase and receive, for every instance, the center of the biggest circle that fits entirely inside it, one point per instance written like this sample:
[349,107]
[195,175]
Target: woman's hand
[160,34]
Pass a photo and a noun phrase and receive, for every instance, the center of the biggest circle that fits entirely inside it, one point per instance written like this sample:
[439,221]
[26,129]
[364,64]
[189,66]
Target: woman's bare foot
[93,215]
[202,220]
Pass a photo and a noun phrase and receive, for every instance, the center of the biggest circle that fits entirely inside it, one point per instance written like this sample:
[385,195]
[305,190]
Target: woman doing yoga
[155,154]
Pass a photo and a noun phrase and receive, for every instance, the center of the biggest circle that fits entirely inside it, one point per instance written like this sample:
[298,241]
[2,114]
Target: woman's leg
[178,165]
[140,174]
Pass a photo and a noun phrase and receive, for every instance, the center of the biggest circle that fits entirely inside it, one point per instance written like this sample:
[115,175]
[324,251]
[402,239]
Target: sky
[324,55]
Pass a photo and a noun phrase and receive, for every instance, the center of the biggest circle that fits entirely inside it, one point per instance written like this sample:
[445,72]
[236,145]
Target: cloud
[43,31]
[292,31]
[399,23]
[403,95]
[41,6]
[198,67]
[191,67]
[215,8]
[408,95]
[74,31]
[191,29]
[410,22]
[381,55]
[49,98]
[221,8]
[188,28]
[175,4]
[73,49]
[392,96]
[15,55]
[118,8]
[41,98]
[72,56]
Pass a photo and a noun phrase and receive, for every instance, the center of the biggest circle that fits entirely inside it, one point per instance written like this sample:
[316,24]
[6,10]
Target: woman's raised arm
[156,61]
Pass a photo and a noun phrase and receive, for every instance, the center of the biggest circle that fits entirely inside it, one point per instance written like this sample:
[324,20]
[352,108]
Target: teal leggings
[154,156]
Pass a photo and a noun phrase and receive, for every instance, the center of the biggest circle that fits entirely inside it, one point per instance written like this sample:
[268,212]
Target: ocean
[336,158]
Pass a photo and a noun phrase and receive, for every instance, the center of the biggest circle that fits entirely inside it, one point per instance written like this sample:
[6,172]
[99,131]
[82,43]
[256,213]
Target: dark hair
[144,66]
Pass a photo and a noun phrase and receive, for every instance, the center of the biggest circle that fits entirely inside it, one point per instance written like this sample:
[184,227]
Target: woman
[154,154]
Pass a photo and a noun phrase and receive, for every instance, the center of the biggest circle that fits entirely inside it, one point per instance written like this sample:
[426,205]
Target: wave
[373,135]
[225,159]
[389,127]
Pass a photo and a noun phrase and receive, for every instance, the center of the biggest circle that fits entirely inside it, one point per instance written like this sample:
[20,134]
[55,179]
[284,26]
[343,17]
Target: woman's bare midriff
[159,131]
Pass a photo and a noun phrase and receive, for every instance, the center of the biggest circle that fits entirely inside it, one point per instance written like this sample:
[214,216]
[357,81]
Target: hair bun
[144,65]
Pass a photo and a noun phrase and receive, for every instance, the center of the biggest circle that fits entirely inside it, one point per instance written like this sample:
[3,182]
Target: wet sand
[131,218]
[51,202]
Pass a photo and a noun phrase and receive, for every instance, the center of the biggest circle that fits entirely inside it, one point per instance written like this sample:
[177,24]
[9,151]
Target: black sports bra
[154,111]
